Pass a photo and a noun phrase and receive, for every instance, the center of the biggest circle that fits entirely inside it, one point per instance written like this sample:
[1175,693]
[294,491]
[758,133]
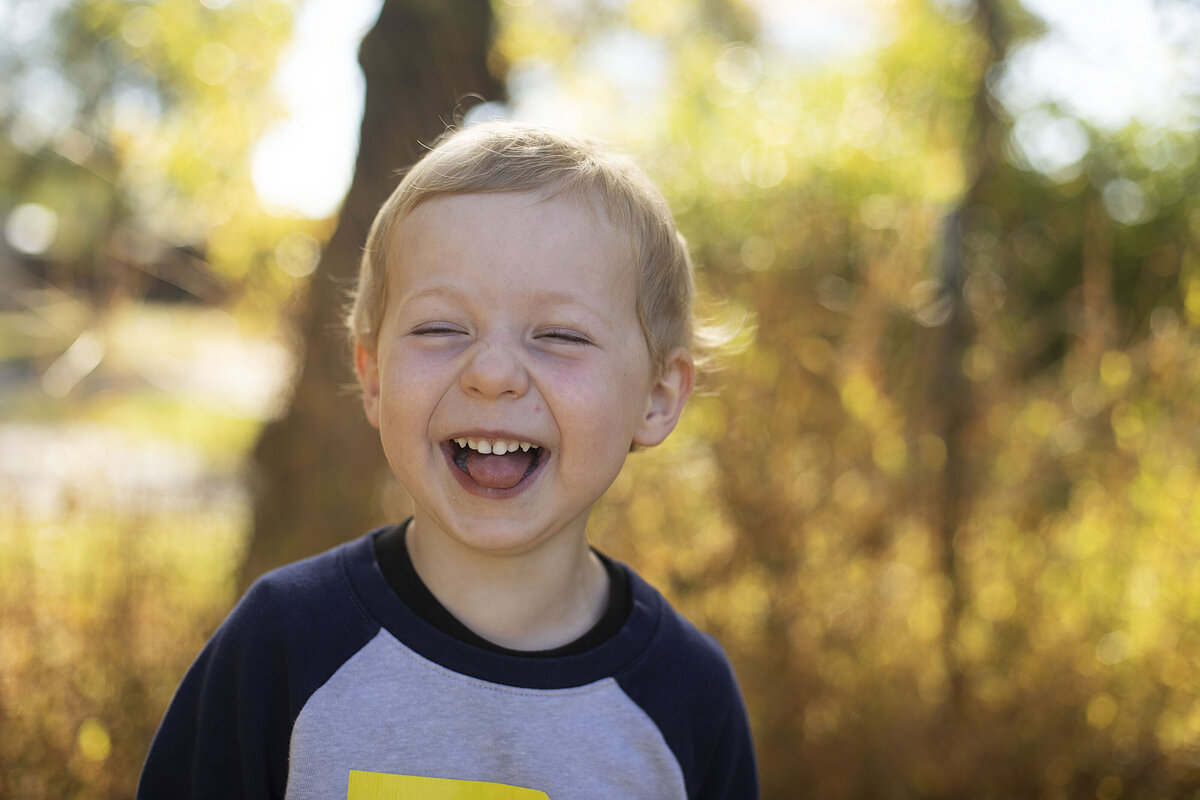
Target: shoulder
[292,629]
[680,654]
[318,585]
[227,730]
[304,608]
[685,683]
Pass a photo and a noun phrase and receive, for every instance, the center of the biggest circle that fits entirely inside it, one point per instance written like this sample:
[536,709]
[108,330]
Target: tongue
[498,472]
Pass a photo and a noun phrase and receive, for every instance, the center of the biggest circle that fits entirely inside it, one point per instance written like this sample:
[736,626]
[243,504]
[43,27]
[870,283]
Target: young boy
[522,321]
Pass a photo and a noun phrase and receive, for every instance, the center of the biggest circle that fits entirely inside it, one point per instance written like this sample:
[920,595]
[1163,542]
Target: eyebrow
[434,291]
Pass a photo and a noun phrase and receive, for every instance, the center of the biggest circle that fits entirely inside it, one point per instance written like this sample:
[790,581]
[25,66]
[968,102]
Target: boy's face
[512,324]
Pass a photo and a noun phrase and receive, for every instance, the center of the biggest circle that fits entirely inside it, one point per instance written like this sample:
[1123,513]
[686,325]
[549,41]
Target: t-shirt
[324,683]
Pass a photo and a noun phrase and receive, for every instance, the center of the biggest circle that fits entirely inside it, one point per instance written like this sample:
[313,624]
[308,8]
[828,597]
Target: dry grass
[100,615]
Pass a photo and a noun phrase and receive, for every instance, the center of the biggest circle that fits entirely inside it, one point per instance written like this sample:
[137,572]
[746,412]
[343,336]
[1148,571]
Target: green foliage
[943,506]
[942,510]
[133,123]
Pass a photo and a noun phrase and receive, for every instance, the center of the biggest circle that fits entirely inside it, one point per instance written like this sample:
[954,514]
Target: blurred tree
[879,510]
[944,508]
[320,470]
[130,125]
[948,400]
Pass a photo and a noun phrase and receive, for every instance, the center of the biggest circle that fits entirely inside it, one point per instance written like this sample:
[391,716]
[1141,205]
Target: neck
[530,601]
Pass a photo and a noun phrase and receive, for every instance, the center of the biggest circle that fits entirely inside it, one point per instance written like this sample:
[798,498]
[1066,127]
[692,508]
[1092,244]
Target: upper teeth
[494,446]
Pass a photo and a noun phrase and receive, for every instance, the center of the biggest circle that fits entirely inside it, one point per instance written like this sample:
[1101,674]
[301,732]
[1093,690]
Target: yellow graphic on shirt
[380,786]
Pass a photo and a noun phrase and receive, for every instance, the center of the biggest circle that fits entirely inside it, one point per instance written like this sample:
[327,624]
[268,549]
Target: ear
[366,365]
[668,394]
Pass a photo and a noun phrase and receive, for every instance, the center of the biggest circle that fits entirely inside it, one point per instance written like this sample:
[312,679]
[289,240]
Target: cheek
[409,370]
[409,387]
[602,409]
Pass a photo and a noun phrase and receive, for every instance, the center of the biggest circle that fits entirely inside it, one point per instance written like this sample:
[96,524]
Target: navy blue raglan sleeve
[731,771]
[700,711]
[687,686]
[227,731]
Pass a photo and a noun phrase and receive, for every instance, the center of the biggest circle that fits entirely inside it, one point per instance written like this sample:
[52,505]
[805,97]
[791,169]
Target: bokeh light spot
[94,741]
[214,63]
[297,254]
[1101,711]
[31,228]
[139,26]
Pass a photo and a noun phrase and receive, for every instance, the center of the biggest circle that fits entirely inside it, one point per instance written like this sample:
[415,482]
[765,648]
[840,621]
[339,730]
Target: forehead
[513,235]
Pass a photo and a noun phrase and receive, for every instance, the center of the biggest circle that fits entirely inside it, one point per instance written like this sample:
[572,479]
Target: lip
[450,450]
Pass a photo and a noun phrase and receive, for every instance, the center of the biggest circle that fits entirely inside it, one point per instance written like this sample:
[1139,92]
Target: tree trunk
[319,470]
[948,391]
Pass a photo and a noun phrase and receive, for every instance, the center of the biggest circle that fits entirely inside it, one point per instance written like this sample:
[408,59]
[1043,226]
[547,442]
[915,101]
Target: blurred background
[941,505]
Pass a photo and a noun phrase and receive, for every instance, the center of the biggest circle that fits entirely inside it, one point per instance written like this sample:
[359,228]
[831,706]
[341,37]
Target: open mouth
[496,463]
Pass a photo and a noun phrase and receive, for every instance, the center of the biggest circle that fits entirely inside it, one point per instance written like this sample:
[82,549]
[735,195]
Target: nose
[493,370]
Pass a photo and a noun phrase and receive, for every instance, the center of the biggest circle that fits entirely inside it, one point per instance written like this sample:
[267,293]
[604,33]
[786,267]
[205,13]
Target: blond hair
[511,157]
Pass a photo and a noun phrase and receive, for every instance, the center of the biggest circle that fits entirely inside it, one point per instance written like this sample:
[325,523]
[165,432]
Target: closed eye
[564,335]
[436,329]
